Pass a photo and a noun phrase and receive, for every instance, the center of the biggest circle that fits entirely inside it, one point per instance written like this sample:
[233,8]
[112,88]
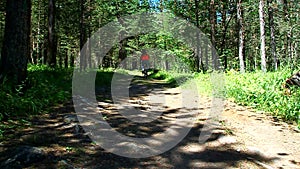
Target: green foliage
[104,77]
[45,87]
[162,75]
[203,84]
[211,84]
[264,91]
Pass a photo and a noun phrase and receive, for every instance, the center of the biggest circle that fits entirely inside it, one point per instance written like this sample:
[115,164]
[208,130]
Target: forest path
[240,138]
[261,134]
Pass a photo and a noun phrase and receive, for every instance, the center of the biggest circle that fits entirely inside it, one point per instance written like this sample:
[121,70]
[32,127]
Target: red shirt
[145,57]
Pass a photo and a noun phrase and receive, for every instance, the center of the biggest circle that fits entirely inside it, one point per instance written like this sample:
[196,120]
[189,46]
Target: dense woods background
[248,35]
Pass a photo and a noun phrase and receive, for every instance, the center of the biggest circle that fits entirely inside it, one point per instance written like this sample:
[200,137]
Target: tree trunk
[60,59]
[16,45]
[288,37]
[122,40]
[213,33]
[38,53]
[225,26]
[122,50]
[82,35]
[241,35]
[272,34]
[89,33]
[52,46]
[66,58]
[262,36]
[206,54]
[198,58]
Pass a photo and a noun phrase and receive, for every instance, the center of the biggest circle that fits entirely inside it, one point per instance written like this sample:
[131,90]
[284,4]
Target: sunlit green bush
[262,91]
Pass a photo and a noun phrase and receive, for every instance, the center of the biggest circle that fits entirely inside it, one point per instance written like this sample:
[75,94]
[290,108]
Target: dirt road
[240,138]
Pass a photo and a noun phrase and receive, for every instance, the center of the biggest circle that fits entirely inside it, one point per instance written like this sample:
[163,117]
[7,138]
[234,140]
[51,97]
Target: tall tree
[288,36]
[213,32]
[272,33]
[82,27]
[198,55]
[262,36]
[241,35]
[16,46]
[52,46]
[2,21]
[225,25]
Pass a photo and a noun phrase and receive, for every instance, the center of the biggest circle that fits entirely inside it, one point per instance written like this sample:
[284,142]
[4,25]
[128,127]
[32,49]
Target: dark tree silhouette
[51,49]
[16,45]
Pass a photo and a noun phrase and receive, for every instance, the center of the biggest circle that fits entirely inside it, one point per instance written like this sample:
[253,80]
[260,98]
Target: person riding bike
[145,64]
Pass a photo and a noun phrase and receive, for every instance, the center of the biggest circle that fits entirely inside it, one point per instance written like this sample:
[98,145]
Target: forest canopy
[59,29]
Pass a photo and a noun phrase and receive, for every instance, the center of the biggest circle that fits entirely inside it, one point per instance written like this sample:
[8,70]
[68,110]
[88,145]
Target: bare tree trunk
[206,53]
[122,40]
[89,33]
[198,57]
[72,58]
[288,35]
[241,35]
[16,45]
[38,33]
[32,54]
[262,36]
[60,59]
[52,46]
[66,58]
[45,40]
[82,27]
[213,33]
[272,33]
[224,28]
[167,63]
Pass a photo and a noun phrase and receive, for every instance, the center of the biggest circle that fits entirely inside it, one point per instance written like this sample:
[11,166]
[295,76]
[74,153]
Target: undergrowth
[172,78]
[264,91]
[45,88]
[261,91]
[161,75]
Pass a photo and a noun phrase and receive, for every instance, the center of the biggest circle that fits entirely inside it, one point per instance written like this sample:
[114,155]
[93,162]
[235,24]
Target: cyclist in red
[145,64]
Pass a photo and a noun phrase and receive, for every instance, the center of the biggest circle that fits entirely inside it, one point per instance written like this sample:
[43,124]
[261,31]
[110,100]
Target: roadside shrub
[261,91]
[45,87]
[264,91]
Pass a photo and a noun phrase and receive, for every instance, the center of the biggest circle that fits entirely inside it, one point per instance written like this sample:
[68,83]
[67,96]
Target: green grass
[45,86]
[172,78]
[262,91]
[212,84]
[161,75]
